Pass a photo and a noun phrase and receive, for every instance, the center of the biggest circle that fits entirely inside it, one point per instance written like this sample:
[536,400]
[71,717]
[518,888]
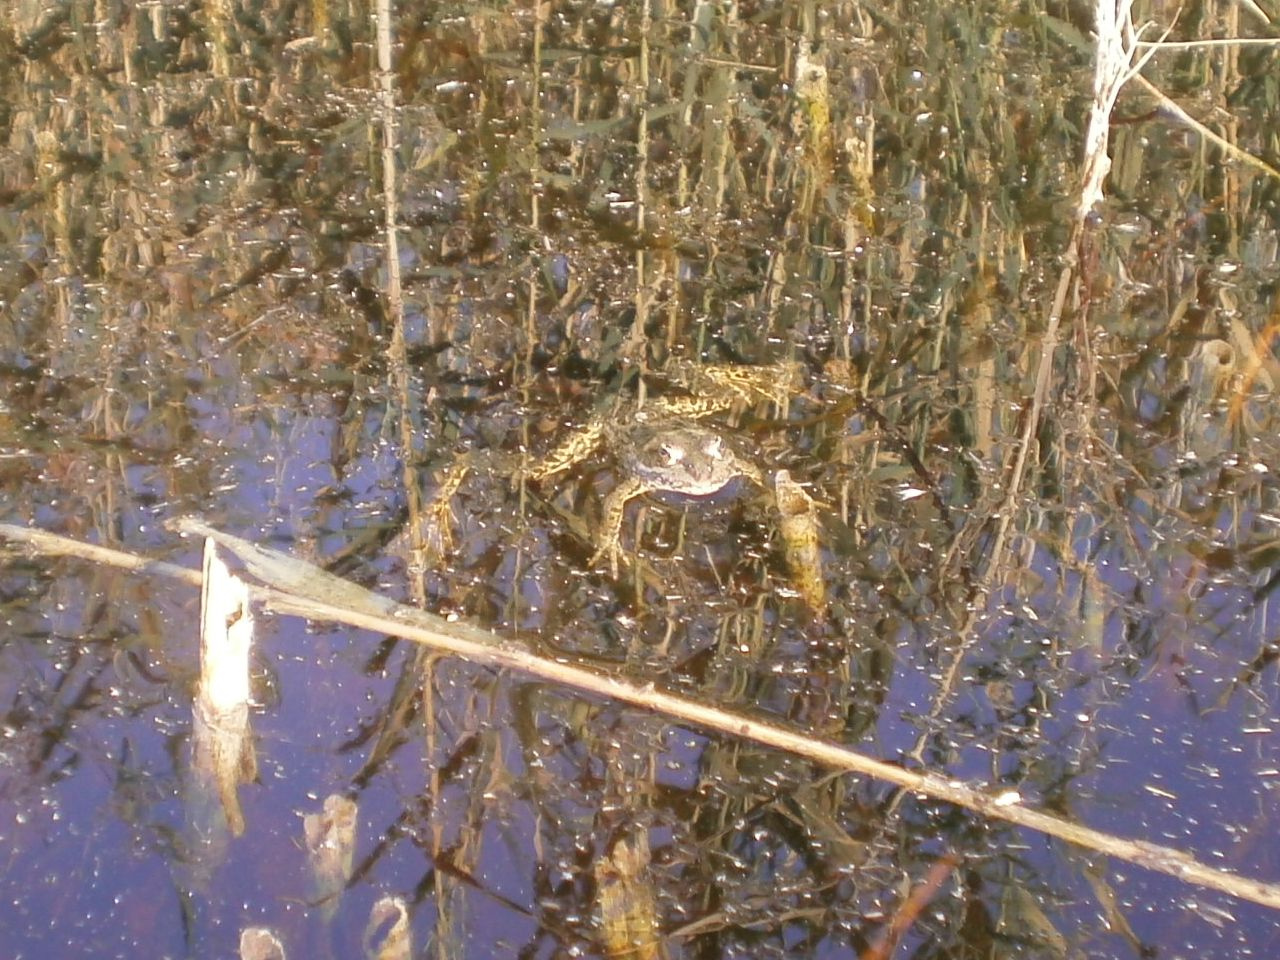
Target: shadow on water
[697,244]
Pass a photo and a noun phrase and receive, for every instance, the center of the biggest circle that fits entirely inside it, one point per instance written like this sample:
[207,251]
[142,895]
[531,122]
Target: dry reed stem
[1229,148]
[481,647]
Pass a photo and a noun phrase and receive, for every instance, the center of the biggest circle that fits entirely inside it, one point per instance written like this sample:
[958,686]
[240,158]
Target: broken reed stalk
[298,589]
[1114,66]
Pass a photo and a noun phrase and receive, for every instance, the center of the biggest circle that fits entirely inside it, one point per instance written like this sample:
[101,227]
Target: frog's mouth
[711,489]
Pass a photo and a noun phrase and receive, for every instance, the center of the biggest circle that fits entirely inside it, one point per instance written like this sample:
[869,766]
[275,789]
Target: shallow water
[198,317]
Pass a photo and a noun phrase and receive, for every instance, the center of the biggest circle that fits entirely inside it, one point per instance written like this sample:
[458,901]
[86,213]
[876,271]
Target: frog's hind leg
[437,512]
[573,449]
[615,506]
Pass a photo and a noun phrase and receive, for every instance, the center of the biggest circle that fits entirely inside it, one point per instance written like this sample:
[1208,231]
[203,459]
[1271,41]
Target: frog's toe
[613,552]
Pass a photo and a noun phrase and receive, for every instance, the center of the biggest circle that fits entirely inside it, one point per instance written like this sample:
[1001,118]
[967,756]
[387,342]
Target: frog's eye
[672,454]
[714,448]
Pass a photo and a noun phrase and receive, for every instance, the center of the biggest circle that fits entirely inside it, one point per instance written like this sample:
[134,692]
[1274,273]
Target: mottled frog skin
[660,448]
[710,389]
[674,457]
[663,446]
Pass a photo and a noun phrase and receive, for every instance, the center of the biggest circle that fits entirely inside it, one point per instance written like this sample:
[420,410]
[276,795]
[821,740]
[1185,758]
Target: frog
[662,447]
[661,454]
[710,389]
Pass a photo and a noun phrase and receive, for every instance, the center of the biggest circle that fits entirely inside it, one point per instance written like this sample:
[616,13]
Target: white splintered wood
[226,634]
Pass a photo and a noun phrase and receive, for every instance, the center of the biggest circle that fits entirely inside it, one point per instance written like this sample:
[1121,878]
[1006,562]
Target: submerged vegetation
[1022,434]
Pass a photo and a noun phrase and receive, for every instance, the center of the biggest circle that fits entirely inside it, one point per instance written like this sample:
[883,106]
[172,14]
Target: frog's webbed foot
[438,518]
[798,514]
[611,547]
[437,512]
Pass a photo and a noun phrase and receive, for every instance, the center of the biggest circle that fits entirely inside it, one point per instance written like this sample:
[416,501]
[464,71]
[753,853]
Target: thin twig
[1162,46]
[1227,147]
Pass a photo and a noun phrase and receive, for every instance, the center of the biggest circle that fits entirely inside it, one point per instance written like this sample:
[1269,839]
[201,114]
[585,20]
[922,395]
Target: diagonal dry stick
[308,590]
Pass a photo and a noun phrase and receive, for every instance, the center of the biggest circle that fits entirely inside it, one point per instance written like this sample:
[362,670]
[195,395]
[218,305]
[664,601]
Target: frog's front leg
[573,449]
[611,523]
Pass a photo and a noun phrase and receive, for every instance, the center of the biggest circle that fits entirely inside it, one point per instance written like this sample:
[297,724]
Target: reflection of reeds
[1113,66]
[899,199]
[401,380]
